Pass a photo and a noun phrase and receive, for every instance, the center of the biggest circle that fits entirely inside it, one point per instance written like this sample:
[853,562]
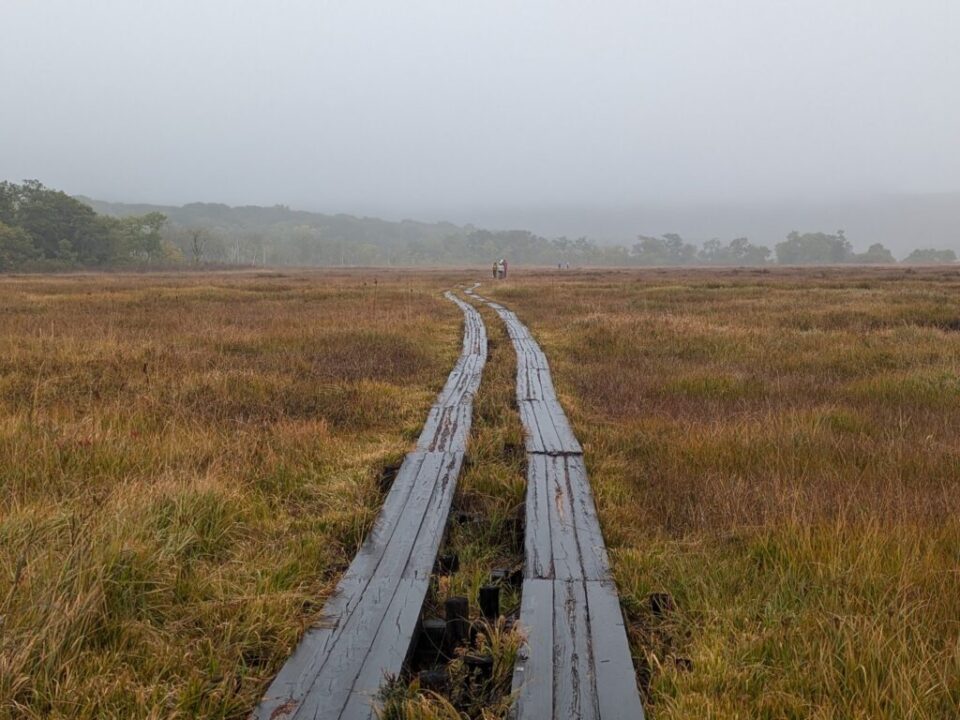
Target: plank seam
[627,703]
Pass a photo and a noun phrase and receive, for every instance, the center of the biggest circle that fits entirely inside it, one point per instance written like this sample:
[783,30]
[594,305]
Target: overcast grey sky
[417,107]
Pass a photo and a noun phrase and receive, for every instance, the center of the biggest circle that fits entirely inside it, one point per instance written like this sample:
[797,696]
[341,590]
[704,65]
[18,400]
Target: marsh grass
[778,451]
[187,464]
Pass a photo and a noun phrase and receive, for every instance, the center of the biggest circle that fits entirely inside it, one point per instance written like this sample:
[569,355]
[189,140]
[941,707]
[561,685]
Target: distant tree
[138,237]
[613,255]
[197,241]
[746,253]
[680,253]
[739,251]
[9,194]
[16,248]
[254,250]
[147,228]
[876,254]
[930,256]
[59,226]
[814,249]
[199,244]
[713,252]
[670,249]
[63,231]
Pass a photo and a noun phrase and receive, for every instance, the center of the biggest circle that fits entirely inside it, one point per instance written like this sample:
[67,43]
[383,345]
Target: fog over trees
[704,118]
[45,229]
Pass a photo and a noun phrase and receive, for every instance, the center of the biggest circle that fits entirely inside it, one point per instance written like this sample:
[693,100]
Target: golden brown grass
[187,465]
[779,451]
[189,462]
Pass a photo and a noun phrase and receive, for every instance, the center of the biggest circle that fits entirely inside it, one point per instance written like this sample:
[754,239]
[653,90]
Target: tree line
[45,229]
[811,248]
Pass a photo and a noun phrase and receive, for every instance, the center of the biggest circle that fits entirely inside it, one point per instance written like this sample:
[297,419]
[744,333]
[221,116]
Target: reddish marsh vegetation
[778,451]
[187,463]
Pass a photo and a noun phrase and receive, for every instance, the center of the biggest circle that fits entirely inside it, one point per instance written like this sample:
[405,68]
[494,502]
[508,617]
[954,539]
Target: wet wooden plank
[563,538]
[348,686]
[533,672]
[465,376]
[547,439]
[298,673]
[447,426]
[538,543]
[576,696]
[531,429]
[368,624]
[534,383]
[617,695]
[366,559]
[429,536]
[566,439]
[354,596]
[331,672]
[564,549]
[594,563]
[547,429]
[334,683]
[394,641]
[575,661]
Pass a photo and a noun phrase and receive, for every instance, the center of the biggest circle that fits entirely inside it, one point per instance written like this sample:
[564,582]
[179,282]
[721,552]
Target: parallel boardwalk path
[370,620]
[576,660]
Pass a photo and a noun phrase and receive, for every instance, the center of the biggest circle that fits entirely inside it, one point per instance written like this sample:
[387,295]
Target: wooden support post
[490,602]
[458,620]
[448,563]
[430,644]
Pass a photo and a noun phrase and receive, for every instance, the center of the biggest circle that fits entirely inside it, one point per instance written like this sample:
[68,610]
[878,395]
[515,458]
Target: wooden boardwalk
[576,660]
[370,621]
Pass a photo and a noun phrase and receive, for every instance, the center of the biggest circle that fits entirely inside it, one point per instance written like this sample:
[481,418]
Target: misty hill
[43,228]
[253,219]
[278,235]
[216,232]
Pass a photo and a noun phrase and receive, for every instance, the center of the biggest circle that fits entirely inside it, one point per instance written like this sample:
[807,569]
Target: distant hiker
[495,268]
[504,267]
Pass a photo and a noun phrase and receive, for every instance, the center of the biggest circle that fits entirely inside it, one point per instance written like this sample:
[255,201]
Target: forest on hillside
[46,229]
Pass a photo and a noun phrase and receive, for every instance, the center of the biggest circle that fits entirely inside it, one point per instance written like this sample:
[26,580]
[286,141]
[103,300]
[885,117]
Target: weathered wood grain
[563,539]
[575,661]
[369,622]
